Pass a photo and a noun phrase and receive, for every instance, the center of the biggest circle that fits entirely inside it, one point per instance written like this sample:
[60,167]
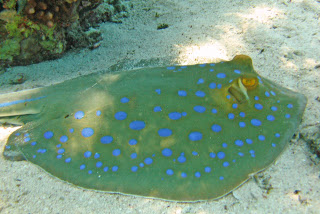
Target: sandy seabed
[281,36]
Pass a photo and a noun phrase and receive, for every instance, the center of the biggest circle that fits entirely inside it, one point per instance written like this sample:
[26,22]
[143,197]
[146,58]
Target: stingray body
[183,133]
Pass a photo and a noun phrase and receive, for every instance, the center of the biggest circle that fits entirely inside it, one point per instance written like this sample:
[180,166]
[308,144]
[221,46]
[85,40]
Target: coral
[36,30]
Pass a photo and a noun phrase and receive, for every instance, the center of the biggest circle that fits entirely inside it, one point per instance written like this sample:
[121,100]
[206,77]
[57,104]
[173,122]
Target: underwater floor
[282,39]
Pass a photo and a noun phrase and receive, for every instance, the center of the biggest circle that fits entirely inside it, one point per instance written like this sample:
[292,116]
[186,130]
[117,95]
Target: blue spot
[261,137]
[258,106]
[221,178]
[8,147]
[157,109]
[34,156]
[41,151]
[267,94]
[59,156]
[228,97]
[182,93]
[224,145]
[273,145]
[27,139]
[221,155]
[124,100]
[252,153]
[183,66]
[194,153]
[249,141]
[169,172]
[256,98]
[197,174]
[133,155]
[167,152]
[273,93]
[212,64]
[68,160]
[216,128]
[221,75]
[17,134]
[240,154]
[98,113]
[121,115]
[82,167]
[225,164]
[63,139]
[234,105]
[200,81]
[287,116]
[106,169]
[182,159]
[164,132]
[134,168]
[273,108]
[87,132]
[48,134]
[238,142]
[212,85]
[97,155]
[106,139]
[200,94]
[256,122]
[290,106]
[242,124]
[87,154]
[175,115]
[277,135]
[231,116]
[71,130]
[219,86]
[270,118]
[207,169]
[212,155]
[183,174]
[211,70]
[184,114]
[61,151]
[90,172]
[171,67]
[148,161]
[199,109]
[33,143]
[195,136]
[214,111]
[202,65]
[242,114]
[158,91]
[79,115]
[133,142]
[237,71]
[141,164]
[116,152]
[115,168]
[99,164]
[137,125]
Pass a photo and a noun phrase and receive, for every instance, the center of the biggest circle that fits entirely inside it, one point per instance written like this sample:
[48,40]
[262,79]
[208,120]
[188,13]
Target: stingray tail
[17,107]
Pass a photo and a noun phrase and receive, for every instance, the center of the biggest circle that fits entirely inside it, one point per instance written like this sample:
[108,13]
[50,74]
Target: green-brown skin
[56,106]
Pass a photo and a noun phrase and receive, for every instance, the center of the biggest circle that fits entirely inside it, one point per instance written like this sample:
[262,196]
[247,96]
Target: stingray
[180,133]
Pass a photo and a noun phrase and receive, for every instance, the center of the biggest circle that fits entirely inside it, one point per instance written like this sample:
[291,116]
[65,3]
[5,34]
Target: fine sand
[281,36]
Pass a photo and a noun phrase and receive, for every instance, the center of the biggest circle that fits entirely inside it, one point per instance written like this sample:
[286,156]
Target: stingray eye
[250,83]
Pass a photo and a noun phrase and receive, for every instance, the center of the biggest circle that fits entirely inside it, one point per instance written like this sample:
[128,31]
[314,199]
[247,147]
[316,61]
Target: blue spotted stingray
[182,133]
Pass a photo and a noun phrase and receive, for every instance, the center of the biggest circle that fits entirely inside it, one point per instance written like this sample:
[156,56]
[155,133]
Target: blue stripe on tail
[20,101]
